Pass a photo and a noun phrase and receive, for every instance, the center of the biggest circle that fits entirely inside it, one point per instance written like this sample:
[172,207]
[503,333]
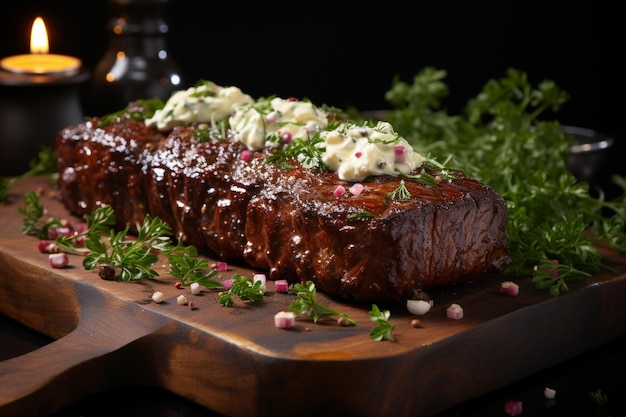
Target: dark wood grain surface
[235,362]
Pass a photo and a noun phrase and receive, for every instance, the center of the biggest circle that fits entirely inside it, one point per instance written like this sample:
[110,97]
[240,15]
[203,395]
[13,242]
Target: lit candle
[39,61]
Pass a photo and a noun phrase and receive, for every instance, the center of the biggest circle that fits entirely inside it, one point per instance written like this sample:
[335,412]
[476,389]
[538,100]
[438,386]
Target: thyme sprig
[400,192]
[306,304]
[32,212]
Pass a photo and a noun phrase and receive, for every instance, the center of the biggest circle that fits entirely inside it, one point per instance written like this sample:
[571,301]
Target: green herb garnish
[43,164]
[188,268]
[384,328]
[400,193]
[32,223]
[244,288]
[361,215]
[306,304]
[144,110]
[501,141]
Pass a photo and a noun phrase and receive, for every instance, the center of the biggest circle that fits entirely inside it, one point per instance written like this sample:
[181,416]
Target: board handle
[90,359]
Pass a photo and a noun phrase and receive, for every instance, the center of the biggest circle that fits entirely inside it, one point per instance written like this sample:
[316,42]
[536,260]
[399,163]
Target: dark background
[347,56]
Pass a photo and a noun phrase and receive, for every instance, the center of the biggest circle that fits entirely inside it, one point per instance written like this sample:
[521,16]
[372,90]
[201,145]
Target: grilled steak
[287,221]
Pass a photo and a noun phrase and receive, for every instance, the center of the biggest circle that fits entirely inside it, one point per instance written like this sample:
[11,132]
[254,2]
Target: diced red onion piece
[509,288]
[455,312]
[281,285]
[399,153]
[222,266]
[513,407]
[182,300]
[284,320]
[195,288]
[228,283]
[245,155]
[356,189]
[260,277]
[58,260]
[44,246]
[340,191]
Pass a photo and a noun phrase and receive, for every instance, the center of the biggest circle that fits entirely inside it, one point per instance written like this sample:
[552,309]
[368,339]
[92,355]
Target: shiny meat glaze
[289,222]
[297,229]
[106,166]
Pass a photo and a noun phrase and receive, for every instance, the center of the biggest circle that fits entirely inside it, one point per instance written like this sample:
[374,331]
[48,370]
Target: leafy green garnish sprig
[244,288]
[306,304]
[134,257]
[43,164]
[384,328]
[144,109]
[189,268]
[33,212]
[501,141]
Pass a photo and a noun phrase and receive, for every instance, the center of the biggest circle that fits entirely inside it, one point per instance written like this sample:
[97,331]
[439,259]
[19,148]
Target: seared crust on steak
[287,221]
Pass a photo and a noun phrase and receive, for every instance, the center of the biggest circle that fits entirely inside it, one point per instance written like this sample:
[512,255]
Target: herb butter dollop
[356,152]
[203,103]
[353,151]
[284,118]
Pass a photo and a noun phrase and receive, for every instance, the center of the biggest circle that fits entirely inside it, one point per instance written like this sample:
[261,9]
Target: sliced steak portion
[370,246]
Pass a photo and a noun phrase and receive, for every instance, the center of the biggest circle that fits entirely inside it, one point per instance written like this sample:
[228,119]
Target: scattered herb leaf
[384,328]
[306,304]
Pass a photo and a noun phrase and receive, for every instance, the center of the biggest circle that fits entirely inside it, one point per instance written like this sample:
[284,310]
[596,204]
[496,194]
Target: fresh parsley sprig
[502,140]
[306,304]
[189,268]
[244,288]
[384,328]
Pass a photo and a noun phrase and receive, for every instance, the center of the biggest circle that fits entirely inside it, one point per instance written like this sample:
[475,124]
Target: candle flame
[39,37]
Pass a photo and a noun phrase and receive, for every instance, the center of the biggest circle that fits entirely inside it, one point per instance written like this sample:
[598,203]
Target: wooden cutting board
[234,361]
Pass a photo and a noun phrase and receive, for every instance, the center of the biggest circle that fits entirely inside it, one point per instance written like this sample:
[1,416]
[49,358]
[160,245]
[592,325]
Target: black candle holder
[33,110]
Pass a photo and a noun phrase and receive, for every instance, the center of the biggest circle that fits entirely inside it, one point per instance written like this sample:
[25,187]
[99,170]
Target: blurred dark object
[137,64]
[587,159]
[33,109]
[596,158]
